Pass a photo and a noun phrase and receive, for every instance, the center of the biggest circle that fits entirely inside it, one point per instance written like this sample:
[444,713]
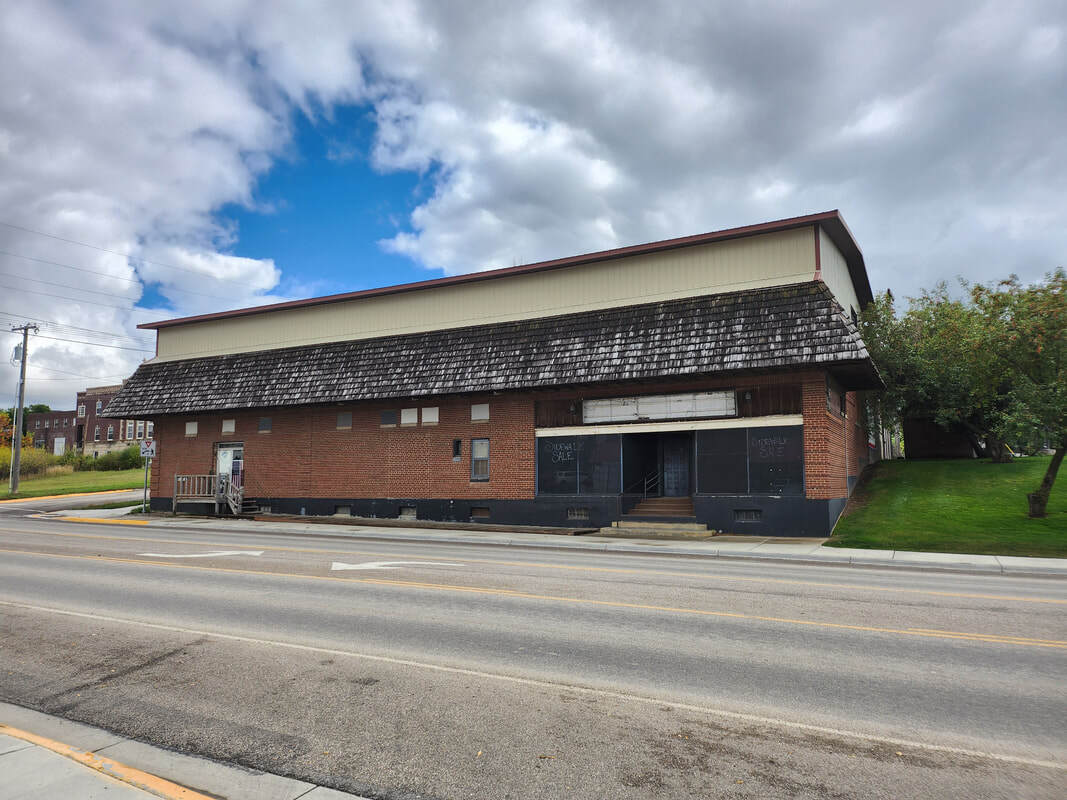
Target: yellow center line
[514,593]
[575,568]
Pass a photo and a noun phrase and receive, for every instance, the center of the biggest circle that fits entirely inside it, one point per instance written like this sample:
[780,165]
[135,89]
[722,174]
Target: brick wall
[305,455]
[825,469]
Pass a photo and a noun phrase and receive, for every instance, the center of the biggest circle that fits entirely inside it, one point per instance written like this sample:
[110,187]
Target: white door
[59,445]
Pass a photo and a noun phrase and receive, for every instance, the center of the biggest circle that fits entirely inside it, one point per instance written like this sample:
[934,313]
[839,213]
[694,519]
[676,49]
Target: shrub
[128,458]
[33,461]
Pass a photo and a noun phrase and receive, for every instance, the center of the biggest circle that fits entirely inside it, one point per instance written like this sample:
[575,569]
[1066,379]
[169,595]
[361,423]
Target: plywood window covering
[229,425]
[409,416]
[479,412]
[344,420]
[190,428]
[689,405]
[430,415]
[479,459]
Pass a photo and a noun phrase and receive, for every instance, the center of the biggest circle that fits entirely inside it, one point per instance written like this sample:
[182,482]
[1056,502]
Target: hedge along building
[711,376]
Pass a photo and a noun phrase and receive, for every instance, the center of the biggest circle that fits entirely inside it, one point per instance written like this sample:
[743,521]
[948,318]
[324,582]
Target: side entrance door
[229,461]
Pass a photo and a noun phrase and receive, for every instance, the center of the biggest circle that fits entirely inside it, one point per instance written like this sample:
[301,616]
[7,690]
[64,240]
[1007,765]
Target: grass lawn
[73,482]
[957,506]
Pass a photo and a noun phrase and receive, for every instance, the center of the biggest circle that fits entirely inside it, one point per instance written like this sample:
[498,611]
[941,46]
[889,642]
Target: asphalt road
[488,672]
[38,504]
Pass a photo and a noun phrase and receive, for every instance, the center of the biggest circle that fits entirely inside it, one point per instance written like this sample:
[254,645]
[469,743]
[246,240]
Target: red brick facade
[306,455]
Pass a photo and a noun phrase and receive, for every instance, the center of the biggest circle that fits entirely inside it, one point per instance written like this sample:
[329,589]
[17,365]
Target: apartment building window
[479,459]
[55,423]
[229,426]
[129,429]
[479,412]
[344,420]
[191,428]
[99,406]
[65,421]
[140,429]
[431,415]
[37,424]
[149,428]
[265,424]
[96,434]
[409,416]
[457,449]
[111,433]
[389,419]
[81,410]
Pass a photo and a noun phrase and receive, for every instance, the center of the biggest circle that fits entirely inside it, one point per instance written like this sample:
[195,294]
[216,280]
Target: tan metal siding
[755,262]
[835,273]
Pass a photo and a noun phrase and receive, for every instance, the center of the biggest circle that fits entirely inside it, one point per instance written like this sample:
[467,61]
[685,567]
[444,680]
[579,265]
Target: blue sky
[322,209]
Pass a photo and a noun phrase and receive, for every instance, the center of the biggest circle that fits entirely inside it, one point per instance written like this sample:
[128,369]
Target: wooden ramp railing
[217,489]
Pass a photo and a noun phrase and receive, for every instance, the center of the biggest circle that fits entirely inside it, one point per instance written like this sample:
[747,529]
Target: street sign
[148,449]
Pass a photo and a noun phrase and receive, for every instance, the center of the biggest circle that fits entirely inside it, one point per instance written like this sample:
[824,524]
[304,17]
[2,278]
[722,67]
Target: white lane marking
[391,564]
[205,555]
[542,684]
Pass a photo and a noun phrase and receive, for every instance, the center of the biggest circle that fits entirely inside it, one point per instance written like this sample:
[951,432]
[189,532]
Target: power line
[98,335]
[76,374]
[54,323]
[64,286]
[108,275]
[95,344]
[71,299]
[116,252]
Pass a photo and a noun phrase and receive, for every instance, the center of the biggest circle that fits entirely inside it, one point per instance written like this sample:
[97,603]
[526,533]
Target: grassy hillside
[70,482]
[957,506]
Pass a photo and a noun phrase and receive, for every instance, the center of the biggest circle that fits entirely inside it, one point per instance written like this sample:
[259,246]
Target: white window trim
[769,421]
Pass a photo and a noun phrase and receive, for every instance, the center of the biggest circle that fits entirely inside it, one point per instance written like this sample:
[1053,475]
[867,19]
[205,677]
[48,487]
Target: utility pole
[16,433]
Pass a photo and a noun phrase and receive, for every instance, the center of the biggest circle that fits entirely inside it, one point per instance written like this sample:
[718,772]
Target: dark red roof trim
[831,221]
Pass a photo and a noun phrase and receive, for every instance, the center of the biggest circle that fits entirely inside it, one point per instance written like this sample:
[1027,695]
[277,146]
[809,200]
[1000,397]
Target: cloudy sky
[160,160]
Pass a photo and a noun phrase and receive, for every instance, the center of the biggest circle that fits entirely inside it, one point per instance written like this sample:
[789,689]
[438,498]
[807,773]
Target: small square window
[344,420]
[389,419]
[190,428]
[409,416]
[457,449]
[229,425]
[479,412]
[479,459]
[264,425]
[430,415]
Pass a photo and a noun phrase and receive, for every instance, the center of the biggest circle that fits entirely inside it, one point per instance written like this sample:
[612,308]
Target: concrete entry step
[681,527]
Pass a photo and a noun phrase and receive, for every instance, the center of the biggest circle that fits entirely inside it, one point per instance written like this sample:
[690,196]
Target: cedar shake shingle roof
[782,327]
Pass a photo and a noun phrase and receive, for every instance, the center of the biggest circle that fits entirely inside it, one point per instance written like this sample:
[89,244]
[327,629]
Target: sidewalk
[44,757]
[782,549]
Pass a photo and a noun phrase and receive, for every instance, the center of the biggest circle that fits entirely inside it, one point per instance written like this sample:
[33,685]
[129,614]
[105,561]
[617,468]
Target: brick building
[712,377]
[97,434]
[54,431]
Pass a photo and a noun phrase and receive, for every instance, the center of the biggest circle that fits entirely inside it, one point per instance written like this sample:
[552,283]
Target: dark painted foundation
[756,515]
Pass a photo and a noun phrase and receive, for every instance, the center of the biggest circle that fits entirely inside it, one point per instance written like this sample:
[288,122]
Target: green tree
[938,362]
[1029,326]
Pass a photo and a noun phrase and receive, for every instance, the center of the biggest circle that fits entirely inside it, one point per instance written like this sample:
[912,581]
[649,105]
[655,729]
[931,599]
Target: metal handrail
[649,483]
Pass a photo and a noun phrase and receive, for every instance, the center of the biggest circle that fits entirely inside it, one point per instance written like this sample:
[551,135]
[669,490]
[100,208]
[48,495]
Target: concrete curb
[824,556]
[159,772]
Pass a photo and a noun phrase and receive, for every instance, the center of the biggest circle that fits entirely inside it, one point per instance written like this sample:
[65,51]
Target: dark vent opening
[747,515]
[577,513]
[479,512]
